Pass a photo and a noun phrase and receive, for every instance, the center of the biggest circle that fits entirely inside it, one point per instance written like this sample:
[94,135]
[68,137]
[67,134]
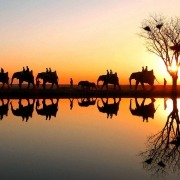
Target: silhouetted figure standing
[146,69]
[165,82]
[107,73]
[23,69]
[49,69]
[111,72]
[27,69]
[2,70]
[142,68]
[71,82]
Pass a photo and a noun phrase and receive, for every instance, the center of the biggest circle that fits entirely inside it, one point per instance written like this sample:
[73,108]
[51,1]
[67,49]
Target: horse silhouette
[92,85]
[22,76]
[84,84]
[47,110]
[87,85]
[25,111]
[4,108]
[143,77]
[48,77]
[146,111]
[85,102]
[109,79]
[4,79]
[109,109]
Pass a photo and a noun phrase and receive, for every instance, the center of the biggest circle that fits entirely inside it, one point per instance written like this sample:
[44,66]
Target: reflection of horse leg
[142,104]
[137,104]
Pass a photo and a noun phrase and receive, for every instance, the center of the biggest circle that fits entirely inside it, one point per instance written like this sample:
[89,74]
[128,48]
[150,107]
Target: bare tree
[162,37]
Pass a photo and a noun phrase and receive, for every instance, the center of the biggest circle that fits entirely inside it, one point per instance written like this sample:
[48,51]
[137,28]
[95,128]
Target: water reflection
[144,110]
[163,149]
[47,110]
[49,107]
[25,111]
[85,102]
[71,103]
[109,108]
[4,108]
[82,141]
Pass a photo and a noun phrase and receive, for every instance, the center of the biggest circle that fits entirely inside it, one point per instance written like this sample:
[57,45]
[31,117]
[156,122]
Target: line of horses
[52,77]
[27,76]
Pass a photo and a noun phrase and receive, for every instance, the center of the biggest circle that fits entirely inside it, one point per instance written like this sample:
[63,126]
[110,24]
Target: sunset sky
[79,38]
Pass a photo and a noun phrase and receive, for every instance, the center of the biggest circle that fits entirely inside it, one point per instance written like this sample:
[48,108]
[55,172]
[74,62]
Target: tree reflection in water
[163,149]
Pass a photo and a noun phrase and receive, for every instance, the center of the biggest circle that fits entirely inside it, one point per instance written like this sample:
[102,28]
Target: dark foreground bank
[65,91]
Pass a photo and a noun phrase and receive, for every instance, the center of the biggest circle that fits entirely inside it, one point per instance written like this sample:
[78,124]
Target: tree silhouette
[163,148]
[162,38]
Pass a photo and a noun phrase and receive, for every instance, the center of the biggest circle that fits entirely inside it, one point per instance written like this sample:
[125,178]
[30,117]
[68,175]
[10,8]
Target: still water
[89,139]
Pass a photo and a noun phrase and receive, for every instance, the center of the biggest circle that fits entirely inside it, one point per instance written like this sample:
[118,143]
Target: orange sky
[79,39]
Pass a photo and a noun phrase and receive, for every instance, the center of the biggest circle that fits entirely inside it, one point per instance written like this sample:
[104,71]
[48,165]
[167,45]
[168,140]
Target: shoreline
[64,91]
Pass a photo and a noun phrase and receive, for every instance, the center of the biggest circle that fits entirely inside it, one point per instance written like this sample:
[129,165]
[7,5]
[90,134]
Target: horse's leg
[44,84]
[33,84]
[20,82]
[7,84]
[102,86]
[28,85]
[119,86]
[2,86]
[52,85]
[107,86]
[57,84]
[143,85]
[137,82]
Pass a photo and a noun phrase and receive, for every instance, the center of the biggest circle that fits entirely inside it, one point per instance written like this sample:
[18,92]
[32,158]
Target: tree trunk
[174,85]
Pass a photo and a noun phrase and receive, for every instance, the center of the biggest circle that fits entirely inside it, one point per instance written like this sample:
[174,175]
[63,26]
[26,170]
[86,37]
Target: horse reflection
[85,102]
[163,148]
[47,110]
[4,108]
[25,111]
[146,111]
[109,108]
